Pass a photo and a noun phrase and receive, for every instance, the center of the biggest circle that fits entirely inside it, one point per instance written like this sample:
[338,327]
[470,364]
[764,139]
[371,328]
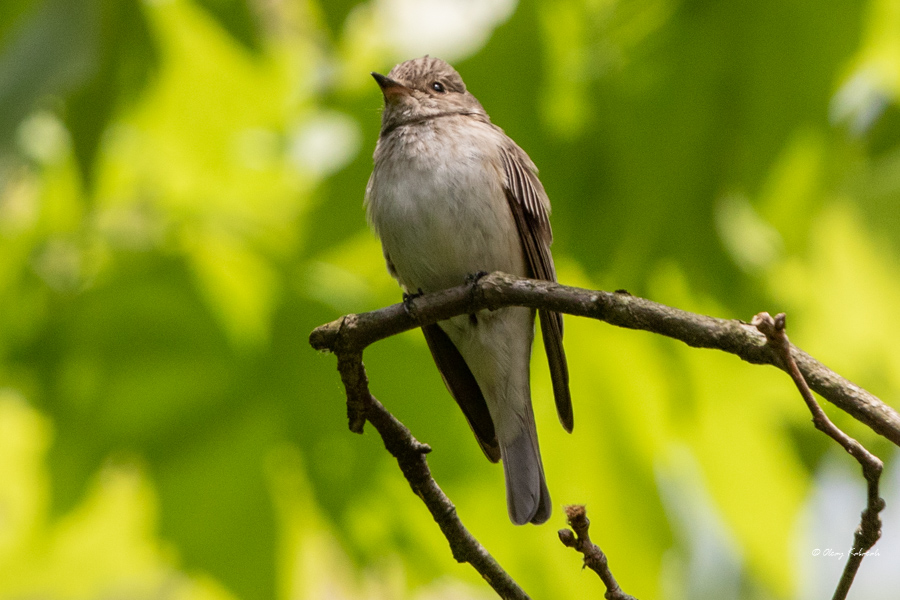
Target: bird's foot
[474,277]
[408,301]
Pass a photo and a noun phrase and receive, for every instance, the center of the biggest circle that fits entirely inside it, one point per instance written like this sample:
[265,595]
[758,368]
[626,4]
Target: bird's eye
[438,87]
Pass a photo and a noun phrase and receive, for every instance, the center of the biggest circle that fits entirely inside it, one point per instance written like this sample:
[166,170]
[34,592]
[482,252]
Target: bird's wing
[531,209]
[462,385]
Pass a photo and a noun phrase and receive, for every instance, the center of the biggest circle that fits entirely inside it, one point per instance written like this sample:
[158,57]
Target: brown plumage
[451,195]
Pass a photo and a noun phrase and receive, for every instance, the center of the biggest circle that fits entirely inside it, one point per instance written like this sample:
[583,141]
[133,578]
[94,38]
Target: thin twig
[355,332]
[594,559]
[410,455]
[869,529]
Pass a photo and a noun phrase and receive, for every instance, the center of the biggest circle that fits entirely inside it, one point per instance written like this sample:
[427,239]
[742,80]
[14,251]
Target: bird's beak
[390,88]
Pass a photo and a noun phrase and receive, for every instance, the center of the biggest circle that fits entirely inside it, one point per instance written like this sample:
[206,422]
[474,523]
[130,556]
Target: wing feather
[531,209]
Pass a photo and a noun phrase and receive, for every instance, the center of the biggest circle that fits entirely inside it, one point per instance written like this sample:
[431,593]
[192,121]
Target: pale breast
[437,202]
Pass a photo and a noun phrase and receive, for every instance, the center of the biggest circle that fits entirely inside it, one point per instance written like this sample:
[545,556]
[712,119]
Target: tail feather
[527,496]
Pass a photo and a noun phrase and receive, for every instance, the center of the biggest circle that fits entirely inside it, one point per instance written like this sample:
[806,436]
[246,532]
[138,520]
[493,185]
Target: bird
[452,196]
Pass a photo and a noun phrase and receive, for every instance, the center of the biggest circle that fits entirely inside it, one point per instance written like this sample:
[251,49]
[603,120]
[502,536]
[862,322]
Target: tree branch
[410,455]
[348,336]
[594,559]
[353,333]
[869,529]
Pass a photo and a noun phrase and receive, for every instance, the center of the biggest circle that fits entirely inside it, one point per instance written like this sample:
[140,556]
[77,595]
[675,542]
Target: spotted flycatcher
[451,196]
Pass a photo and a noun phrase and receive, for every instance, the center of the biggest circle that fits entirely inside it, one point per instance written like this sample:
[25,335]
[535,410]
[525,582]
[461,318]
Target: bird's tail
[527,496]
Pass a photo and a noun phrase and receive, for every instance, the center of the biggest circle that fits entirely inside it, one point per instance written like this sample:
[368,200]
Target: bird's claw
[408,301]
[474,277]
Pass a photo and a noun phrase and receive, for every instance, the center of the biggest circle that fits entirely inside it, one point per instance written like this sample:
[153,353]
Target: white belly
[440,220]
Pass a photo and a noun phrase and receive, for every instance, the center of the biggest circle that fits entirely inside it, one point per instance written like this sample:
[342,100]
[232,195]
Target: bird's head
[421,88]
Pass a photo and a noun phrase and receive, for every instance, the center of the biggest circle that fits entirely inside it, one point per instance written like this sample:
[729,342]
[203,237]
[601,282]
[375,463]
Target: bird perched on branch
[451,195]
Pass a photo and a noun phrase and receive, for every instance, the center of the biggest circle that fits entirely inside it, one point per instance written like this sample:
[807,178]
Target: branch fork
[869,530]
[761,342]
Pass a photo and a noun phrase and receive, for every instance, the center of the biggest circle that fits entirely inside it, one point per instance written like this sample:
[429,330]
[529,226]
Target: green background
[181,188]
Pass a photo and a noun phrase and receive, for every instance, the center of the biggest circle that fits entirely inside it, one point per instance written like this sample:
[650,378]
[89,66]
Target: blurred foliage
[180,204]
